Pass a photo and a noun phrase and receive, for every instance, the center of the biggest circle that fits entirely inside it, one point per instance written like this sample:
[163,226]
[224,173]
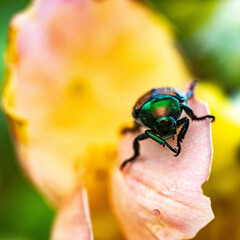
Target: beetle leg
[189,111]
[184,122]
[156,138]
[133,129]
[136,149]
[190,92]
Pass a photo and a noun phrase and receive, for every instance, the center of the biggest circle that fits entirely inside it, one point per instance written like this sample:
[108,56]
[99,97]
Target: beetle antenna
[190,92]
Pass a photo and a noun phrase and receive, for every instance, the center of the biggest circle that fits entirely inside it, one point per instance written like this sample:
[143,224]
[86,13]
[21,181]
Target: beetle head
[165,127]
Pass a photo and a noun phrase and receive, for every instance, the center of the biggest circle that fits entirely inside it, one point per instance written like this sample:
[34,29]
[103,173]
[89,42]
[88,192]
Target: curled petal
[73,220]
[159,196]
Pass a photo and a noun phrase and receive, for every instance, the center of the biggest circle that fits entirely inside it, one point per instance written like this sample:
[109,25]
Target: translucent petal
[73,220]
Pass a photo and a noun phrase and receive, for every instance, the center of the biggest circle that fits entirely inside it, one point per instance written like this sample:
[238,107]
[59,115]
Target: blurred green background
[208,34]
[23,213]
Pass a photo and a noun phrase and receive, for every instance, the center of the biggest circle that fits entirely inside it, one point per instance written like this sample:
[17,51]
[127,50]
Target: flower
[225,174]
[161,195]
[74,70]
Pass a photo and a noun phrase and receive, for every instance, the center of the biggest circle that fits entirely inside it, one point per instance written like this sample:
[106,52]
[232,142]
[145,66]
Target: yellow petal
[225,135]
[159,196]
[223,187]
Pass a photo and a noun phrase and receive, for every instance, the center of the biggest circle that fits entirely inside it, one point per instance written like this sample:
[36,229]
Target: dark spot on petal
[156,212]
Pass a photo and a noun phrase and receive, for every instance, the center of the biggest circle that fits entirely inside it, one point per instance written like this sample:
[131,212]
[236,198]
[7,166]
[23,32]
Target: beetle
[159,110]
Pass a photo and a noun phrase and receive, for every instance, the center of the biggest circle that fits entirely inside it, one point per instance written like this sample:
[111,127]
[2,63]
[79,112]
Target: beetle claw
[177,153]
[178,150]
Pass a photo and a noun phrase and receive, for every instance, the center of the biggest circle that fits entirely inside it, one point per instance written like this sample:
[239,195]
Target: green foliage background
[23,213]
[208,33]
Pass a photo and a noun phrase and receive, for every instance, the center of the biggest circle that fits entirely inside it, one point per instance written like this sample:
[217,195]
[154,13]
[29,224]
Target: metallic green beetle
[159,110]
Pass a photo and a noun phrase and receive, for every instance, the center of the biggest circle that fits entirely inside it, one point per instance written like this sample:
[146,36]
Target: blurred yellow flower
[223,187]
[74,70]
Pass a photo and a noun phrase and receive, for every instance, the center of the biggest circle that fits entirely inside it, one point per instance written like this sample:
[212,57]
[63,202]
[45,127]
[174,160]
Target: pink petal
[159,196]
[73,220]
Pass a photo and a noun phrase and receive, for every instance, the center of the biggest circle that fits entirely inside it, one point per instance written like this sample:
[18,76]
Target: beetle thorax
[157,107]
